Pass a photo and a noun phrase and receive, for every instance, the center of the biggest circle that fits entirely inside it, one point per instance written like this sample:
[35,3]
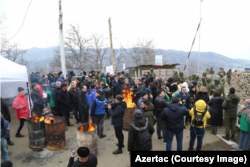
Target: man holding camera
[185,98]
[117,120]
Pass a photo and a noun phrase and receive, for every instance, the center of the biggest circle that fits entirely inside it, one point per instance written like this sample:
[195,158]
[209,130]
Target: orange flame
[49,120]
[128,97]
[37,118]
[89,127]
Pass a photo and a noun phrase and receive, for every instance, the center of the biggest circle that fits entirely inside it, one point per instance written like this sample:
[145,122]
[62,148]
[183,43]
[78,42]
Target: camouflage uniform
[222,71]
[207,71]
[152,72]
[189,80]
[222,81]
[218,87]
[193,77]
[132,72]
[176,76]
[198,81]
[182,78]
[204,78]
[209,86]
[229,75]
[211,71]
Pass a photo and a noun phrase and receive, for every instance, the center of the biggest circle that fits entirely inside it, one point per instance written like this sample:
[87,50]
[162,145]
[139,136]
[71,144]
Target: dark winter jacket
[141,88]
[149,113]
[117,113]
[187,100]
[139,103]
[173,117]
[154,93]
[192,97]
[202,96]
[173,88]
[5,128]
[117,87]
[71,74]
[139,125]
[83,105]
[230,105]
[5,111]
[64,100]
[87,84]
[73,95]
[51,78]
[91,162]
[160,104]
[54,92]
[37,101]
[98,108]
[216,111]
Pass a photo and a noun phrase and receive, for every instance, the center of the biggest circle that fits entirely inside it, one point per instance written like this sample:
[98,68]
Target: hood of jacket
[233,98]
[150,107]
[200,105]
[102,75]
[174,107]
[100,98]
[170,80]
[140,124]
[122,104]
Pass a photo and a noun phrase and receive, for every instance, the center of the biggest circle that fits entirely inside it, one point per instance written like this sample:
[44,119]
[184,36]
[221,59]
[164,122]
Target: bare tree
[192,68]
[98,51]
[13,53]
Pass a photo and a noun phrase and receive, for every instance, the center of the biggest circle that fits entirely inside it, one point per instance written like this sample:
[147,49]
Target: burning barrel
[128,114]
[55,132]
[36,131]
[86,136]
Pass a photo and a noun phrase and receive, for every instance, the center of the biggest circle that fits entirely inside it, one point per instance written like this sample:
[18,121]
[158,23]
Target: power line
[22,23]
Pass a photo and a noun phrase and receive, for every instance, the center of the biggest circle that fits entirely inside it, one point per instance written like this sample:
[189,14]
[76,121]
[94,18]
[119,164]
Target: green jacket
[51,101]
[149,113]
[56,77]
[230,105]
[244,125]
[105,80]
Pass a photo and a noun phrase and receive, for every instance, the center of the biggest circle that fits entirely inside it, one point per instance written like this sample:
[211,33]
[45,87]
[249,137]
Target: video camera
[112,102]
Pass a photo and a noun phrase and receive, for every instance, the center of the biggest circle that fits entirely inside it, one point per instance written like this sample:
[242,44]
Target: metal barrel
[37,136]
[128,118]
[87,138]
[55,133]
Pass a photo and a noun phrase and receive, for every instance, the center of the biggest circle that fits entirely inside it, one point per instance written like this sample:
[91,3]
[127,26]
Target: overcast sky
[225,26]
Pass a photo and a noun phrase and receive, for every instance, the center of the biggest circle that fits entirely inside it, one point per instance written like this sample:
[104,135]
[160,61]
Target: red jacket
[40,90]
[18,104]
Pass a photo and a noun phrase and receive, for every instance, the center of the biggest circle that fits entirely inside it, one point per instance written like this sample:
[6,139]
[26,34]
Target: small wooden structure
[163,70]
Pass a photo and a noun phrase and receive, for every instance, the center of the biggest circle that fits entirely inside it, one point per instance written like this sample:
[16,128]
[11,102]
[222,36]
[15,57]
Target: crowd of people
[172,105]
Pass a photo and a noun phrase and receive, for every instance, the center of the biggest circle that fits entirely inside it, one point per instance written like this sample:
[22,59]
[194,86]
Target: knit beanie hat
[78,79]
[138,114]
[147,90]
[64,85]
[143,94]
[92,86]
[119,97]
[83,152]
[20,89]
[194,83]
[33,85]
[175,99]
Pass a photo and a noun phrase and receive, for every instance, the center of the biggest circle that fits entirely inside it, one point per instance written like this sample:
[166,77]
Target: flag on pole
[201,0]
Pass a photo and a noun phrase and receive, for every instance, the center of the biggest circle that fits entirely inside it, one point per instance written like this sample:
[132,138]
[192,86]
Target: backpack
[197,121]
[143,138]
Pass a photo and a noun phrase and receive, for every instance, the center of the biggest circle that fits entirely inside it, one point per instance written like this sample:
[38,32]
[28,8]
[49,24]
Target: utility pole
[111,46]
[63,65]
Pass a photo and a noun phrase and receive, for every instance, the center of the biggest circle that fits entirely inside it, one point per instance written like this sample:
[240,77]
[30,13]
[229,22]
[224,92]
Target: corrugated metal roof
[153,65]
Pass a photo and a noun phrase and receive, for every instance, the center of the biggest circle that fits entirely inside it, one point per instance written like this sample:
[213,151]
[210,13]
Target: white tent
[12,76]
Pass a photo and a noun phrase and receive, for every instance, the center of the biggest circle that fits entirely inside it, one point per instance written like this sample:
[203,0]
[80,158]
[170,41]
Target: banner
[158,60]
[123,66]
[109,69]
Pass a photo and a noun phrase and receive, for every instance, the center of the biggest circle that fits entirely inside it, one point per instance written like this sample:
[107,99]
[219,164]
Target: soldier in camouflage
[152,72]
[198,81]
[218,87]
[207,71]
[204,78]
[229,75]
[222,81]
[222,71]
[211,71]
[193,77]
[209,86]
[181,78]
[189,80]
[176,75]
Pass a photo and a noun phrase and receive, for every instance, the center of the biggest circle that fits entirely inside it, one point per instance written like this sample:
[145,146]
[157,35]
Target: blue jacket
[90,96]
[118,113]
[98,107]
[139,104]
[117,88]
[5,128]
[173,115]
[60,79]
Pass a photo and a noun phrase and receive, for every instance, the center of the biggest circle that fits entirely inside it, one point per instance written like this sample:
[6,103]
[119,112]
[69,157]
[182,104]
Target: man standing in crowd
[32,77]
[65,104]
[65,81]
[71,74]
[5,134]
[6,115]
[141,87]
[148,109]
[144,96]
[39,87]
[37,100]
[45,83]
[160,104]
[117,120]
[91,95]
[116,83]
[230,105]
[51,77]
[88,83]
[199,111]
[98,112]
[55,89]
[138,129]
[58,76]
[85,159]
[173,117]
[73,95]
[78,83]
[144,80]
[21,105]
[81,73]
[83,105]
[185,98]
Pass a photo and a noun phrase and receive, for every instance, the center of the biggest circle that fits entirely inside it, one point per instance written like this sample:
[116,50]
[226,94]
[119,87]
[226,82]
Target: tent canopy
[12,76]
